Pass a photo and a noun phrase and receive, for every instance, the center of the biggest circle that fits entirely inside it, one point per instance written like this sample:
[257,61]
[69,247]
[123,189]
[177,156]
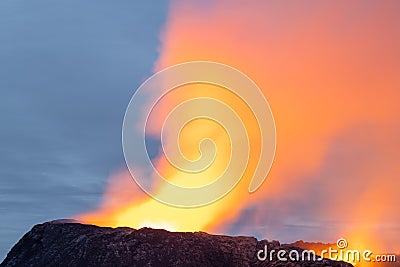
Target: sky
[67,72]
[329,70]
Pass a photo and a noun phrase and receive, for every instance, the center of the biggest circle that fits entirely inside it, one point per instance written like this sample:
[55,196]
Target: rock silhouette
[67,243]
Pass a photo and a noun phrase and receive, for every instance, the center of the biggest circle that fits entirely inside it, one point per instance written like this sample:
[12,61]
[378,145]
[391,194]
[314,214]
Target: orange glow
[145,211]
[329,70]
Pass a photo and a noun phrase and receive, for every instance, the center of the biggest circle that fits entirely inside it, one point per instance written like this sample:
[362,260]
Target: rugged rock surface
[64,243]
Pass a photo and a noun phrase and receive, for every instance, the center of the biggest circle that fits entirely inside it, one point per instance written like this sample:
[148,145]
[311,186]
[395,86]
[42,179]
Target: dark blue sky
[67,72]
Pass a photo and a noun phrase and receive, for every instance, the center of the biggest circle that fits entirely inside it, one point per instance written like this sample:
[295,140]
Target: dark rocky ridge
[64,243]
